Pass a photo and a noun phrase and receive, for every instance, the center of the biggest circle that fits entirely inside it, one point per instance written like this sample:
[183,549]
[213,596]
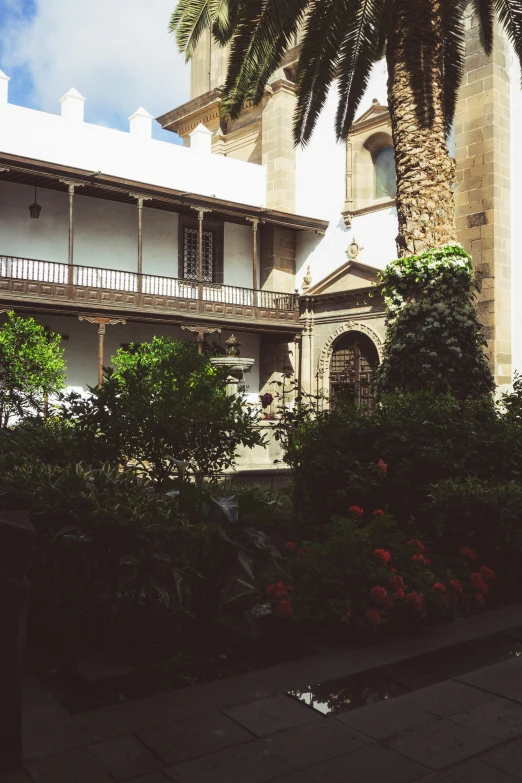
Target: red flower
[415,600]
[398,582]
[383,555]
[393,570]
[399,593]
[347,617]
[357,510]
[284,608]
[468,553]
[479,599]
[419,546]
[487,573]
[412,519]
[303,552]
[383,467]
[380,596]
[290,546]
[373,616]
[273,590]
[439,586]
[282,594]
[478,583]
[455,585]
[419,558]
[378,513]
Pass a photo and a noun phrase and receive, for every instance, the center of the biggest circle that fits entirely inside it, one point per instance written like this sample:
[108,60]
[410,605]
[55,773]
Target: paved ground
[246,730]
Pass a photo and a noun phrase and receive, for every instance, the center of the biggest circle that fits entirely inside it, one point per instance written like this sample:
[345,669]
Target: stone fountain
[234,364]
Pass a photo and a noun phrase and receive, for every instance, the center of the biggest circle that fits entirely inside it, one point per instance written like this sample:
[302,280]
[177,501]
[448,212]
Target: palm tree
[423,42]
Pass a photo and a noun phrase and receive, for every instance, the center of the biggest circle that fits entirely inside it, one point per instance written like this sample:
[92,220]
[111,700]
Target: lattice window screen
[190,255]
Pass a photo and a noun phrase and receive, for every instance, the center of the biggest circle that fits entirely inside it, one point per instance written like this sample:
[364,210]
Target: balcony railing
[114,280]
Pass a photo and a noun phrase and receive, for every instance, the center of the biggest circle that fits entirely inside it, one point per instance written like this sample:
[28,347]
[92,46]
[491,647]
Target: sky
[117,53]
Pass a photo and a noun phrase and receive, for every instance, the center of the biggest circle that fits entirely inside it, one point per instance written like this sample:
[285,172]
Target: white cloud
[117,53]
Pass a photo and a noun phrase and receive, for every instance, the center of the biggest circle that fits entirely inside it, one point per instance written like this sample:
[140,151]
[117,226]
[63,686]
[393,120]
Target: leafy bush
[434,338]
[163,398]
[422,437]
[371,574]
[31,367]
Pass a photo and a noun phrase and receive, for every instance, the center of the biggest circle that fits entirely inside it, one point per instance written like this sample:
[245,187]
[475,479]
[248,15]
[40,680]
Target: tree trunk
[425,171]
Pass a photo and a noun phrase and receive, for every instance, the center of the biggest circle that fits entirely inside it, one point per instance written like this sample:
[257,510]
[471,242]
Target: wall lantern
[35,208]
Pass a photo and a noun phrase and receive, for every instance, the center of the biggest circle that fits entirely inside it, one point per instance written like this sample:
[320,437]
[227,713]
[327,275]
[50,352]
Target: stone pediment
[348,277]
[376,114]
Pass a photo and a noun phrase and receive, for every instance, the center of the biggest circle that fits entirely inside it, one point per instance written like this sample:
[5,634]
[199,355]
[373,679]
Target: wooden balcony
[46,285]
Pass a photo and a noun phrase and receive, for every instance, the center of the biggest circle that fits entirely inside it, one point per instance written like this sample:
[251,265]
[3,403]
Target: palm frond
[264,31]
[359,53]
[226,20]
[510,17]
[453,56]
[192,17]
[484,10]
[322,38]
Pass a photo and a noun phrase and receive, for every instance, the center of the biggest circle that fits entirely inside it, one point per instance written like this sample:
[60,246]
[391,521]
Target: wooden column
[103,322]
[140,199]
[201,331]
[255,223]
[71,185]
[201,214]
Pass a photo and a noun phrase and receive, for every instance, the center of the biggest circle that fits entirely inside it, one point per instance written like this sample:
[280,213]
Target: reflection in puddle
[359,690]
[349,693]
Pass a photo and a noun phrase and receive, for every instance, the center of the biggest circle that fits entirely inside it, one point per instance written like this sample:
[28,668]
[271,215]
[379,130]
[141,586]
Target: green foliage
[434,339]
[31,367]
[163,400]
[360,566]
[340,39]
[422,437]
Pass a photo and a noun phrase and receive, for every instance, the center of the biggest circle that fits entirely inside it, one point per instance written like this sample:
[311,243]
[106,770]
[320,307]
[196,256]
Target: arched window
[353,363]
[385,175]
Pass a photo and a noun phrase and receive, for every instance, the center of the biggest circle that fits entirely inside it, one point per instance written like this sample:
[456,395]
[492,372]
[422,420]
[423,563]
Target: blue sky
[117,53]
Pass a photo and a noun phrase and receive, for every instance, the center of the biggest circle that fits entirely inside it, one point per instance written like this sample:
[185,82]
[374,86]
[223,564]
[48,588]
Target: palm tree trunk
[425,170]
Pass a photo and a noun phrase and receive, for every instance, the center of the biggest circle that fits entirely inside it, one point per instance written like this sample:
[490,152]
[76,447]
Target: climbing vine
[433,338]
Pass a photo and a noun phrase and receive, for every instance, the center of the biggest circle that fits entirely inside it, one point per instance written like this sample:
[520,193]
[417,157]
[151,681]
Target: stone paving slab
[372,764]
[504,679]
[471,771]
[268,716]
[16,776]
[151,777]
[71,766]
[500,718]
[313,743]
[124,757]
[177,742]
[447,698]
[441,743]
[248,763]
[46,726]
[506,757]
[385,718]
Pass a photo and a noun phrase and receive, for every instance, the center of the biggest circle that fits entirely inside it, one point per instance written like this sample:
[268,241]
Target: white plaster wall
[106,234]
[320,192]
[81,349]
[238,255]
[51,138]
[516,214]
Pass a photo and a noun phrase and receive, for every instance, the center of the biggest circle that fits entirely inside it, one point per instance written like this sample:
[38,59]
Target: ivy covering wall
[433,338]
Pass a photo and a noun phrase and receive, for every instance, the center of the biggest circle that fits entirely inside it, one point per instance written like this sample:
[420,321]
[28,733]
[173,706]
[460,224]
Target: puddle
[358,690]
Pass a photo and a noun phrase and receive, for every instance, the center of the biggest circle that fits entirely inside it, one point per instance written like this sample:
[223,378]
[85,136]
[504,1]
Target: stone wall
[482,149]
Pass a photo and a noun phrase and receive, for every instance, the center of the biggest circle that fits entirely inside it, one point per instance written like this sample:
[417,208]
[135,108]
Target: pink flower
[378,513]
[383,467]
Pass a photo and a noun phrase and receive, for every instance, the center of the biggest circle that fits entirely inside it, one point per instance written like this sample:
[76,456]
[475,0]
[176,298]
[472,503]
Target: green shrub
[434,338]
[364,575]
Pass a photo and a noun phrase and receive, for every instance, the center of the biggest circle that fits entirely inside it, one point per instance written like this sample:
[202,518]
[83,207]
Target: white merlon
[72,105]
[140,123]
[201,139]
[4,83]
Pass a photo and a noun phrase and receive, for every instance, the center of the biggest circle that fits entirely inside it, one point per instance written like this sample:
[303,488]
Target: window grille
[191,255]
